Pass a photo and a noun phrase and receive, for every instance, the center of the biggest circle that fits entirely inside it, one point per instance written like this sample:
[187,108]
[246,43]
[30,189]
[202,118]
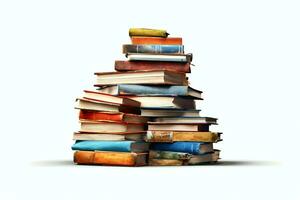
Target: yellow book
[148,32]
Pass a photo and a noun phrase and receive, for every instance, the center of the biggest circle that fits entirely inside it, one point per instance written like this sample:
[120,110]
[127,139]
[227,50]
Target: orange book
[110,158]
[157,40]
[110,116]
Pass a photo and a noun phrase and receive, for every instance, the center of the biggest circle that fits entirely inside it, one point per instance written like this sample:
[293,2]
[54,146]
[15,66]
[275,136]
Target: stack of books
[111,131]
[152,85]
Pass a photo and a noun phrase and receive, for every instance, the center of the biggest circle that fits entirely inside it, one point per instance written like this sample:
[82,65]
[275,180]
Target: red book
[121,65]
[157,40]
[103,116]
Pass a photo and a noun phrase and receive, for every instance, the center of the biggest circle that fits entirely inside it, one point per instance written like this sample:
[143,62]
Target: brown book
[110,158]
[204,158]
[154,126]
[141,77]
[165,162]
[157,40]
[182,136]
[110,137]
[186,120]
[152,65]
[104,106]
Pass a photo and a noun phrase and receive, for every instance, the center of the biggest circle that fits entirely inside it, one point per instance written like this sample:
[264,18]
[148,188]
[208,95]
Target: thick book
[160,57]
[152,90]
[169,155]
[109,137]
[111,116]
[164,102]
[110,127]
[182,136]
[212,157]
[186,120]
[148,32]
[157,126]
[97,105]
[165,162]
[122,146]
[96,95]
[121,65]
[169,113]
[153,49]
[110,158]
[186,147]
[141,77]
[156,40]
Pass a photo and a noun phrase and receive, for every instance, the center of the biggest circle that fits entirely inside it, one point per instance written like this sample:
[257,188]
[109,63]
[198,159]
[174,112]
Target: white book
[160,57]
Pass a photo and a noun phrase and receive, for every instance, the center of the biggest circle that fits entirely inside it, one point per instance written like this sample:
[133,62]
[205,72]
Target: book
[164,102]
[185,147]
[96,95]
[165,162]
[186,120]
[110,158]
[97,105]
[152,90]
[153,126]
[153,49]
[156,40]
[109,137]
[160,57]
[182,136]
[110,127]
[118,146]
[169,155]
[169,113]
[141,77]
[111,116]
[204,158]
[148,32]
[121,65]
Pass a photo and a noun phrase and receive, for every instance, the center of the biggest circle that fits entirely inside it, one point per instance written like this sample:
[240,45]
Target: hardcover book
[160,57]
[153,126]
[165,162]
[186,147]
[110,158]
[148,32]
[109,137]
[182,136]
[152,90]
[153,49]
[141,77]
[121,146]
[186,120]
[152,65]
[156,40]
[169,155]
[169,113]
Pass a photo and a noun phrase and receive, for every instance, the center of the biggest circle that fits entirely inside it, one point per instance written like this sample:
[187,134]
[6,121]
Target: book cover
[110,158]
[148,32]
[169,155]
[156,40]
[153,49]
[151,65]
[186,147]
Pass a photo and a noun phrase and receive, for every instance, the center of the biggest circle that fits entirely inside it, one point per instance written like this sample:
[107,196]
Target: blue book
[153,49]
[147,90]
[121,146]
[194,148]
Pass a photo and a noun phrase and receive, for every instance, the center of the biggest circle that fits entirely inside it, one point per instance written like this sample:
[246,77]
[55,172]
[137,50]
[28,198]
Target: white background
[247,63]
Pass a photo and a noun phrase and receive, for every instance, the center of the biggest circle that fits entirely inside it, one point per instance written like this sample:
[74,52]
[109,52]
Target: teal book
[120,146]
[148,90]
[195,148]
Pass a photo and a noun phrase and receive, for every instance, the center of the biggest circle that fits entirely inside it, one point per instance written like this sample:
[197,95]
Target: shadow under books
[58,163]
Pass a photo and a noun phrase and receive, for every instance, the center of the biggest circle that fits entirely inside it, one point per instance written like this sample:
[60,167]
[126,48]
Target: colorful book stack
[152,85]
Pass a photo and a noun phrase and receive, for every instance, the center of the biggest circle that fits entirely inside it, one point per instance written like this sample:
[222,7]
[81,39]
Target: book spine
[156,40]
[89,145]
[197,137]
[153,49]
[168,155]
[148,32]
[152,90]
[148,65]
[165,162]
[159,136]
[105,158]
[186,147]
[90,115]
